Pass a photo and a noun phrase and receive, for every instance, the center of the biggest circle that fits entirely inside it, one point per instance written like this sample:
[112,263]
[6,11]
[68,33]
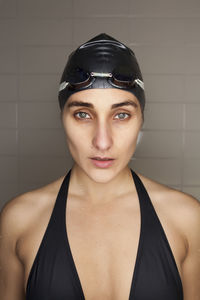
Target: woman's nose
[102,138]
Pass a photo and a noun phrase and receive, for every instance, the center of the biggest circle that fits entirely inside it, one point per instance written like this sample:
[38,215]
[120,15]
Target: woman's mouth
[102,163]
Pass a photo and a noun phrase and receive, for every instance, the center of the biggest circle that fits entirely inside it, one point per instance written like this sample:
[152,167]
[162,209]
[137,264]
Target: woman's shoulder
[167,194]
[180,208]
[19,212]
[169,197]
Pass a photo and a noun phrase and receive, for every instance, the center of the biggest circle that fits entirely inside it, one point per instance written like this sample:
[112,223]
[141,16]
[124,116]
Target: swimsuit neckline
[69,251]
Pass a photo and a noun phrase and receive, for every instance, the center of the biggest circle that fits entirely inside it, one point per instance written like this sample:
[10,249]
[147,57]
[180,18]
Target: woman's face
[102,127]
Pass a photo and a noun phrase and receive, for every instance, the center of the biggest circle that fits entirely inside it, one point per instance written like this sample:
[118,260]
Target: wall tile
[85,29]
[162,87]
[8,59]
[192,59]
[47,142]
[165,171]
[160,116]
[165,8]
[170,30]
[39,87]
[39,115]
[8,8]
[45,9]
[192,84]
[49,32]
[8,88]
[100,8]
[165,59]
[192,28]
[160,144]
[30,186]
[192,145]
[8,169]
[8,32]
[192,116]
[43,169]
[8,138]
[160,59]
[44,59]
[191,172]
[8,115]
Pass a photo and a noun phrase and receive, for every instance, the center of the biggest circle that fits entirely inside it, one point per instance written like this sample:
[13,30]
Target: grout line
[182,155]
[103,16]
[73,17]
[18,92]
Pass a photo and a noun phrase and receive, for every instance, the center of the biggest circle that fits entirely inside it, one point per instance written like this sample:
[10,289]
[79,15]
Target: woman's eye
[82,115]
[121,114]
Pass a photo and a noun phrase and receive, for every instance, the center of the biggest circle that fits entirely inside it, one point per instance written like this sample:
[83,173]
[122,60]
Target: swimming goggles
[86,79]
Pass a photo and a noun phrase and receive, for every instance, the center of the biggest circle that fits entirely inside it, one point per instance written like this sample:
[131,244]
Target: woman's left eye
[123,114]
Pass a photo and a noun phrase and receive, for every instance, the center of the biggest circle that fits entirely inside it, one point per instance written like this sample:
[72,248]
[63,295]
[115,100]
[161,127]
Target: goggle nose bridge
[97,74]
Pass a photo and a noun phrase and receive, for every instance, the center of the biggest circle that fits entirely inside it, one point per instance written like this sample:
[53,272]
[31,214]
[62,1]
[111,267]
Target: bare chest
[104,245]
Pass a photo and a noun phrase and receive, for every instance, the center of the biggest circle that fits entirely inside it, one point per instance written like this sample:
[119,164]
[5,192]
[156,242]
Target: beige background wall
[35,39]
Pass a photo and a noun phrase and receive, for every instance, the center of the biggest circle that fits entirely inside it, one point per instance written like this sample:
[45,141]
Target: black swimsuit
[54,276]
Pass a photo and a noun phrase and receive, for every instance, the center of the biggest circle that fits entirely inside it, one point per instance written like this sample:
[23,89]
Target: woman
[101,232]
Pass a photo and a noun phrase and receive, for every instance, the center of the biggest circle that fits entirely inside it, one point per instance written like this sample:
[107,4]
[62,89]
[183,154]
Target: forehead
[103,97]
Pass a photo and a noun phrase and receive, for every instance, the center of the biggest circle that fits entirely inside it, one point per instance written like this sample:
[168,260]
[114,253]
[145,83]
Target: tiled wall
[35,39]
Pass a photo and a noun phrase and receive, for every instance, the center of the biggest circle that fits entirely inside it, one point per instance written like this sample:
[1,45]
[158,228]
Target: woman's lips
[102,163]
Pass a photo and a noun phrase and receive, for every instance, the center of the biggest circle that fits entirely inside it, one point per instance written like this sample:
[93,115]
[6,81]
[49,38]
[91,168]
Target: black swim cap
[102,62]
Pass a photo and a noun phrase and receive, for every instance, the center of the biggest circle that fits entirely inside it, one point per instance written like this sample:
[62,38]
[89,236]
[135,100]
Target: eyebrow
[87,104]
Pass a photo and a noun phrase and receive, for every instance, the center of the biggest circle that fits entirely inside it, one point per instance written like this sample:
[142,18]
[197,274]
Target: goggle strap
[63,85]
[140,83]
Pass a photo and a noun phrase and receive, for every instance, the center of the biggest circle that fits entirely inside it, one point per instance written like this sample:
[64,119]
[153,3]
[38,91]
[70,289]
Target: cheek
[127,136]
[126,143]
[76,139]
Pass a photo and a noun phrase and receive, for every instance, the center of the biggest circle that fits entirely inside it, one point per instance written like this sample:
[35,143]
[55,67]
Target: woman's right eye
[81,113]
